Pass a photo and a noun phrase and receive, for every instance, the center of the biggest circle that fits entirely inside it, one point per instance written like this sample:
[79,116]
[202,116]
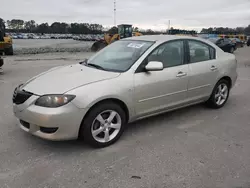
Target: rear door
[203,70]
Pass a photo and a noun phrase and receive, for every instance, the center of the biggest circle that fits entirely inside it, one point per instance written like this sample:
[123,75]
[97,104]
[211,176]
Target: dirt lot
[34,46]
[192,147]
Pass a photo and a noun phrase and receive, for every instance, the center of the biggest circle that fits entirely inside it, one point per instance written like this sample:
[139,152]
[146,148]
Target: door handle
[213,68]
[181,74]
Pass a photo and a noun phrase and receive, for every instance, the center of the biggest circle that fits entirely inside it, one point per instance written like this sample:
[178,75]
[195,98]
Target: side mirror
[154,66]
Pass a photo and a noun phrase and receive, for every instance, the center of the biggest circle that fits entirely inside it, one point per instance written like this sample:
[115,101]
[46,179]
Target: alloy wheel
[221,94]
[106,126]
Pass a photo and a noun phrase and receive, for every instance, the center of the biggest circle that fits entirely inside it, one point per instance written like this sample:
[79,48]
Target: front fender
[117,88]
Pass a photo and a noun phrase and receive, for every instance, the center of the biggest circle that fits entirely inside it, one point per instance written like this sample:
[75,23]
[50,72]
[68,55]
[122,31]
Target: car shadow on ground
[154,125]
[139,127]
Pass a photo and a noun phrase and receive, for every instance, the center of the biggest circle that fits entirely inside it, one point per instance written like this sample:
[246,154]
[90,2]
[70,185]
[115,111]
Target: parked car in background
[238,43]
[248,42]
[225,44]
[155,74]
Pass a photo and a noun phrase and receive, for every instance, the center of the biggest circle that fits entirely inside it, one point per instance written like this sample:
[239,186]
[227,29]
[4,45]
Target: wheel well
[112,100]
[227,79]
[117,101]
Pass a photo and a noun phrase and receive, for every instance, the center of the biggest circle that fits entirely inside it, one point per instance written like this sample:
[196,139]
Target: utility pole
[168,24]
[115,13]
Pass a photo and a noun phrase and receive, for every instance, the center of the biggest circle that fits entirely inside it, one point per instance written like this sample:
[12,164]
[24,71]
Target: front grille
[25,124]
[20,96]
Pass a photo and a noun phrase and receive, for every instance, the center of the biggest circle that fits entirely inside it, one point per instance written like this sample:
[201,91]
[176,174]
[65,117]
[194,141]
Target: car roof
[161,38]
[164,38]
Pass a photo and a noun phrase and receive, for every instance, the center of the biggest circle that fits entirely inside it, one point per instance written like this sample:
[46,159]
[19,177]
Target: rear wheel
[1,62]
[9,51]
[103,125]
[220,95]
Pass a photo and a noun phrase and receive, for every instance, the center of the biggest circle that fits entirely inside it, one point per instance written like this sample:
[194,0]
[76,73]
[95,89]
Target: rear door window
[199,51]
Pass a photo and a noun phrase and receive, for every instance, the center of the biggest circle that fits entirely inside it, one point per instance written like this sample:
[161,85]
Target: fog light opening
[48,130]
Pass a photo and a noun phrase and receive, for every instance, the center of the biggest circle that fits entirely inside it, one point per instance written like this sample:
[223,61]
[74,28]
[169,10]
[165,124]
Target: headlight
[54,101]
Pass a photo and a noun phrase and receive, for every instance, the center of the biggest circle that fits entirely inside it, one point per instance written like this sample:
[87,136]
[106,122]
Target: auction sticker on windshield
[135,45]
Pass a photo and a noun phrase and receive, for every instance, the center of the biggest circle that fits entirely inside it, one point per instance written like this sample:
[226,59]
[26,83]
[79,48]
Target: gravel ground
[194,147]
[37,46]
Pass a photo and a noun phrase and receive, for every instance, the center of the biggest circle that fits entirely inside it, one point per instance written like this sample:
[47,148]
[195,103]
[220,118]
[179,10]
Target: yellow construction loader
[6,45]
[124,31]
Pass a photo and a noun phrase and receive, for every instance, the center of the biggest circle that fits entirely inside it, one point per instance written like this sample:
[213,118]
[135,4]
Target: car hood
[59,80]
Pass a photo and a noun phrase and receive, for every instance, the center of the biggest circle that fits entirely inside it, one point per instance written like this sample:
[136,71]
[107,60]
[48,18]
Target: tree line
[18,25]
[225,30]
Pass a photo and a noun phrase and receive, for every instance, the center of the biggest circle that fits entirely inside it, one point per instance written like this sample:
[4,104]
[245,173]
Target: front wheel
[103,125]
[219,95]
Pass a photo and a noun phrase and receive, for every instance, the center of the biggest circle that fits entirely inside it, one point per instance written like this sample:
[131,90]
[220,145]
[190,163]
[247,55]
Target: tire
[231,50]
[94,132]
[9,51]
[213,101]
[1,62]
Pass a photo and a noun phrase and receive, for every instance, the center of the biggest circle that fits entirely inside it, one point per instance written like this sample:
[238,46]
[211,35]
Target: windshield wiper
[96,66]
[85,62]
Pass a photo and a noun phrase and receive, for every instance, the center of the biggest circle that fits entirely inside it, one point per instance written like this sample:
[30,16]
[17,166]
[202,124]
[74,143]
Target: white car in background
[126,81]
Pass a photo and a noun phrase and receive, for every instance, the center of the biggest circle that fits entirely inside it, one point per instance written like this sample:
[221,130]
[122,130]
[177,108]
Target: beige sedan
[129,80]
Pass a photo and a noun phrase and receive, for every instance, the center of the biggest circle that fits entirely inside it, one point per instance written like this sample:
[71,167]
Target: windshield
[120,55]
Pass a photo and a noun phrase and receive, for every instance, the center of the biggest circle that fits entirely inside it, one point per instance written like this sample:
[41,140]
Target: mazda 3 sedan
[128,80]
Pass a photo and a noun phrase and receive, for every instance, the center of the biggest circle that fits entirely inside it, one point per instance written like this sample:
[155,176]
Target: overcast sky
[186,14]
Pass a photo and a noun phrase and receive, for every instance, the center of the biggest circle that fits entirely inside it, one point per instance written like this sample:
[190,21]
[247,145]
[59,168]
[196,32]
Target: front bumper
[64,121]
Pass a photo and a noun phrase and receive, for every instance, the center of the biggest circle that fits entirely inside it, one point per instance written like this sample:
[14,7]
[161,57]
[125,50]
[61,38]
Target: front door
[158,90]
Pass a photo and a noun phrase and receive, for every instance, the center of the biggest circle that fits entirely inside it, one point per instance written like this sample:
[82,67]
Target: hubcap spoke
[106,135]
[115,126]
[219,100]
[224,96]
[98,131]
[111,116]
[100,119]
[220,88]
[224,89]
[217,95]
